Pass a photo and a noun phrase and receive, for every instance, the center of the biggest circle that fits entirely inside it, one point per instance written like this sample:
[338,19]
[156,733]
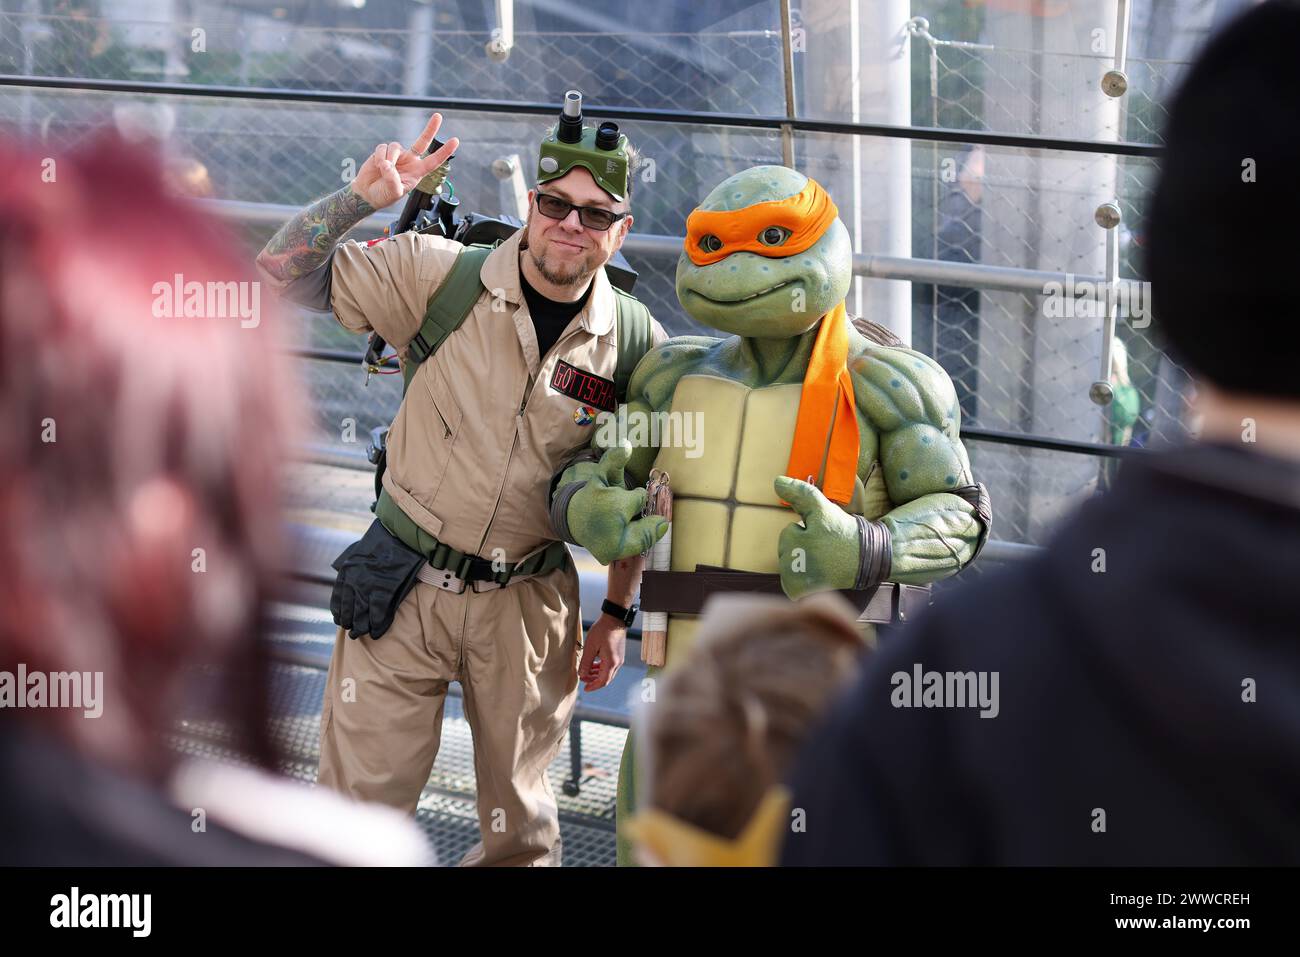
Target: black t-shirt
[550,318]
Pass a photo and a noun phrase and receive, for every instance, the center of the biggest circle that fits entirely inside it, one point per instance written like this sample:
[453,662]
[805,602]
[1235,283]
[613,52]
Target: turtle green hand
[824,552]
[605,517]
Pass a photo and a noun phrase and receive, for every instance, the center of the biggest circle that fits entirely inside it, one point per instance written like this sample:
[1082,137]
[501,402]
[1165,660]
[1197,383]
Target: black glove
[375,574]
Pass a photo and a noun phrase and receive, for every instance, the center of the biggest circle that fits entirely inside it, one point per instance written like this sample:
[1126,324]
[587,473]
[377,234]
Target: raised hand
[391,171]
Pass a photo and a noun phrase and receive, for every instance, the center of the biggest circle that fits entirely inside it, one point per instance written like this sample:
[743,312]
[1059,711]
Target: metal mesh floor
[446,810]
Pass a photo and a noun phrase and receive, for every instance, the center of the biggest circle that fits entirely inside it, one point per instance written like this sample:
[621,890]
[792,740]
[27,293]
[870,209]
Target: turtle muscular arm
[934,533]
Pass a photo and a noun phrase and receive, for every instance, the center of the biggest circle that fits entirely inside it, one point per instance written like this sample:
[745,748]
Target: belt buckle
[481,572]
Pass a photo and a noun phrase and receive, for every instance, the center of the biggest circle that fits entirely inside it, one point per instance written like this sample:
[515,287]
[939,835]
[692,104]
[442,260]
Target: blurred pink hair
[170,434]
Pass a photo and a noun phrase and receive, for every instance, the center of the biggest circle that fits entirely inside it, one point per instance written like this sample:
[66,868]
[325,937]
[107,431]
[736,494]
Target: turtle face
[747,294]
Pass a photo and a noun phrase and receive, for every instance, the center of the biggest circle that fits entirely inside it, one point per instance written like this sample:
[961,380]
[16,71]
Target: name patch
[583,386]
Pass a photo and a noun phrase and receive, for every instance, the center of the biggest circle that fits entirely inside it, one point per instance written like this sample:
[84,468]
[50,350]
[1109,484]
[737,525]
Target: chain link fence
[1016,365]
[730,71]
[1018,358]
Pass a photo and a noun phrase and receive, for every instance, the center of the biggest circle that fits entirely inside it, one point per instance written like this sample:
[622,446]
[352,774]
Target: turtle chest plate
[725,444]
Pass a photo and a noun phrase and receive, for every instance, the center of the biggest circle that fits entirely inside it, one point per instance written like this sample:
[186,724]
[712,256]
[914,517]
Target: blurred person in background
[1147,668]
[140,426]
[726,723]
[1122,413]
[1126,406]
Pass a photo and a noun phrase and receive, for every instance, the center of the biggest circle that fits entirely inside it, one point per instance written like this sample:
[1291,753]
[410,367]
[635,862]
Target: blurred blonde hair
[729,719]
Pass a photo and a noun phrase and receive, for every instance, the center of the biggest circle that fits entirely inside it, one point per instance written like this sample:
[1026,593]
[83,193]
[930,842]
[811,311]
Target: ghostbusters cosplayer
[462,577]
[829,455]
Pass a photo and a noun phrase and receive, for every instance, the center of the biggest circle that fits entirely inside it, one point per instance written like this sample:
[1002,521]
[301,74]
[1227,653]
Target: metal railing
[779,124]
[236,110]
[867,265]
[325,454]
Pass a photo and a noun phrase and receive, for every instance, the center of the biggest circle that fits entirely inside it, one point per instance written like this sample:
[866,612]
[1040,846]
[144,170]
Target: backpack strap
[634,339]
[447,309]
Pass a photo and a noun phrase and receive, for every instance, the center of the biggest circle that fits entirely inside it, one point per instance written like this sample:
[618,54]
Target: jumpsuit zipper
[505,472]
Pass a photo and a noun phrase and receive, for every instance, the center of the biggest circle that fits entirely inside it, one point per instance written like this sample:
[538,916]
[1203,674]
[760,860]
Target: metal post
[1108,218]
[920,27]
[510,171]
[415,68]
[855,101]
[573,785]
[787,68]
[1115,82]
[503,37]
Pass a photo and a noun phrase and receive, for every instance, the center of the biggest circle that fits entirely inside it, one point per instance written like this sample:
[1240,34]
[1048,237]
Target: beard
[565,274]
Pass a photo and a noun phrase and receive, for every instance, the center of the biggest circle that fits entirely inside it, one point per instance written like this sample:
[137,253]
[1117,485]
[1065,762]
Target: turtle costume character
[828,453]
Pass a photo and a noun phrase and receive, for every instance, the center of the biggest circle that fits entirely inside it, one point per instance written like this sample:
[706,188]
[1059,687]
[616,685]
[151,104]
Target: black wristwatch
[625,615]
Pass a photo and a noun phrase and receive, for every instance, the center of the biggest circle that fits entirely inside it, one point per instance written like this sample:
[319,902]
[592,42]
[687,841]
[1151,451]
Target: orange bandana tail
[827,408]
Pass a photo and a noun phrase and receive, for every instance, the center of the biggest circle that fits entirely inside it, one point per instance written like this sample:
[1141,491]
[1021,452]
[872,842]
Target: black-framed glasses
[593,217]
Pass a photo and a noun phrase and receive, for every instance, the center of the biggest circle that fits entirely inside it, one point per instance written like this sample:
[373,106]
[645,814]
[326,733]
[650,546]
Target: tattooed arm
[305,242]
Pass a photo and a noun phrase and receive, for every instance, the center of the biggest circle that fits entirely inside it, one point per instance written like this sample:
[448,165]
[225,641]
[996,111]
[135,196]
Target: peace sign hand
[391,172]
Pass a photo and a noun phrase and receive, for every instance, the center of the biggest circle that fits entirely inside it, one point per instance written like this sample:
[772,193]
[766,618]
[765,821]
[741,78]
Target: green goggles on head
[601,151]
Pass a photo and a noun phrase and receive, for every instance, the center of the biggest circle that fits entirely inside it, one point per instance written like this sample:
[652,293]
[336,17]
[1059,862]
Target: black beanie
[1224,252]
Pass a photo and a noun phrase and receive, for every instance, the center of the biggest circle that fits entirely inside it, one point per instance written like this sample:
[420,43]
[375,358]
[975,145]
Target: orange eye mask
[826,440]
[806,215]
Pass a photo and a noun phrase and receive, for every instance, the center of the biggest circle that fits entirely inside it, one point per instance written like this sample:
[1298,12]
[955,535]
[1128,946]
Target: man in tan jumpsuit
[471,455]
